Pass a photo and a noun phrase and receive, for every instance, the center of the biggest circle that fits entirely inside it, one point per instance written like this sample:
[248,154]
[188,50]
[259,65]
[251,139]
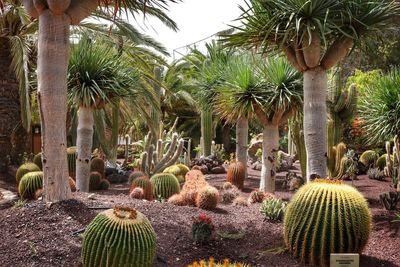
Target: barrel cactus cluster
[236,174]
[145,184]
[30,183]
[24,169]
[324,217]
[37,159]
[207,198]
[165,185]
[98,165]
[368,158]
[119,237]
[179,170]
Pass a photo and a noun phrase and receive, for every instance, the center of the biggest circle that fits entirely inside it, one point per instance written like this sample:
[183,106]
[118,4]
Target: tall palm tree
[55,18]
[314,35]
[272,92]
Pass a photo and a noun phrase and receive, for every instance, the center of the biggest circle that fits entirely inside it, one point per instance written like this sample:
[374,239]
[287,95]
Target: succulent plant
[29,184]
[228,195]
[119,237]
[24,169]
[145,184]
[71,156]
[211,263]
[165,185]
[241,201]
[137,193]
[134,175]
[257,196]
[369,158]
[207,198]
[202,229]
[324,217]
[98,165]
[104,184]
[236,174]
[227,185]
[37,159]
[72,184]
[194,181]
[177,200]
[273,209]
[381,162]
[94,181]
[375,174]
[179,170]
[390,199]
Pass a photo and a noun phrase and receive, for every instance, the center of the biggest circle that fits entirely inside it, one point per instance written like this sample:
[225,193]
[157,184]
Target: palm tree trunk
[114,135]
[9,103]
[270,148]
[206,131]
[315,89]
[242,140]
[84,143]
[53,53]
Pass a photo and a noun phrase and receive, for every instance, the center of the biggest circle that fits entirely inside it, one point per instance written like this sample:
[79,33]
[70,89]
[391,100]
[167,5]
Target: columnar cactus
[236,174]
[206,131]
[119,237]
[335,159]
[145,184]
[37,159]
[98,165]
[71,156]
[369,158]
[29,184]
[164,185]
[326,217]
[24,169]
[207,198]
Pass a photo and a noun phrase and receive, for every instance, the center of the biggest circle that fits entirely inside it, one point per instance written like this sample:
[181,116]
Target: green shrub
[273,209]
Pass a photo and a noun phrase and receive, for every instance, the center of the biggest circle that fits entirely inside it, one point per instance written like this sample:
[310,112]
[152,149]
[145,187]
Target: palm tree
[55,18]
[272,92]
[314,35]
[380,110]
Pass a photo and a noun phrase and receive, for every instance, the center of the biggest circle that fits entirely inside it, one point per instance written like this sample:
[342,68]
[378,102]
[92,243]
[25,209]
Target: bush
[273,209]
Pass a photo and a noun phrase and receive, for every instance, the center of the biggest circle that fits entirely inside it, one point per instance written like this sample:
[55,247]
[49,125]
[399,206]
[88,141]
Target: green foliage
[24,169]
[20,203]
[202,229]
[326,217]
[273,209]
[115,231]
[29,184]
[376,174]
[389,200]
[363,80]
[97,165]
[165,185]
[95,179]
[37,159]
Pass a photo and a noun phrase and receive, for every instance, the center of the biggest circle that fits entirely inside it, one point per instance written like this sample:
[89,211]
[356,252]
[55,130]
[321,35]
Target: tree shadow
[369,261]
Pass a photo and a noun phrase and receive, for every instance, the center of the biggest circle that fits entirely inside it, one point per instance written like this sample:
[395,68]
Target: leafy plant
[273,209]
[202,229]
[20,203]
[389,200]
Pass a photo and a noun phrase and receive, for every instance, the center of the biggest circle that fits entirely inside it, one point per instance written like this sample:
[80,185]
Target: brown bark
[336,52]
[30,8]
[291,56]
[312,50]
[79,10]
[300,57]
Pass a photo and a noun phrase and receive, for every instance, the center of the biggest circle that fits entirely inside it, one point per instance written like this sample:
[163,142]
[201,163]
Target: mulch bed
[39,236]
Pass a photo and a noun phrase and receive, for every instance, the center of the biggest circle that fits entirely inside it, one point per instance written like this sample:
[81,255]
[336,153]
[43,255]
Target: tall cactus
[392,168]
[296,125]
[155,112]
[206,131]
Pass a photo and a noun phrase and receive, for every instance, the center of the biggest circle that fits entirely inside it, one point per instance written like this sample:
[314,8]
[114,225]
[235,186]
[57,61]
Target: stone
[218,170]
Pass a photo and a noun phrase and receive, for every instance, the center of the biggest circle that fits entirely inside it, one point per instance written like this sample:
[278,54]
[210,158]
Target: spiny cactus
[153,159]
[241,201]
[381,162]
[165,185]
[24,169]
[119,237]
[71,156]
[211,263]
[134,175]
[72,184]
[207,198]
[392,168]
[37,159]
[179,170]
[236,174]
[98,165]
[194,181]
[375,174]
[137,193]
[390,199]
[335,156]
[144,183]
[29,184]
[104,184]
[94,182]
[369,158]
[206,131]
[273,209]
[177,200]
[326,217]
[258,196]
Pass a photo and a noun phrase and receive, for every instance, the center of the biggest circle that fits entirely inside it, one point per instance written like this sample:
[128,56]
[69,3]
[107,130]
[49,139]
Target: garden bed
[37,236]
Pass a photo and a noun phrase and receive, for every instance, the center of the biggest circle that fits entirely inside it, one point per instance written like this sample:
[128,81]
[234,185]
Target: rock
[256,166]
[117,178]
[202,168]
[218,170]
[110,171]
[92,196]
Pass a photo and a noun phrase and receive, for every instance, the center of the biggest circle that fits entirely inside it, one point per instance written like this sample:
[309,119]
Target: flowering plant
[202,229]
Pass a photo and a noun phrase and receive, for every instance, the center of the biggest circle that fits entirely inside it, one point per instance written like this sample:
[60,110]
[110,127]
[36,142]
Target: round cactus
[134,175]
[236,174]
[175,170]
[177,200]
[381,162]
[165,185]
[94,181]
[369,158]
[29,184]
[194,181]
[72,184]
[207,198]
[145,184]
[119,237]
[24,169]
[104,184]
[137,193]
[258,196]
[326,217]
[71,156]
[37,159]
[97,165]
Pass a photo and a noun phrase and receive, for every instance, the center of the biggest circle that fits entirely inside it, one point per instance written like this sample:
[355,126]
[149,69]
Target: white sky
[196,20]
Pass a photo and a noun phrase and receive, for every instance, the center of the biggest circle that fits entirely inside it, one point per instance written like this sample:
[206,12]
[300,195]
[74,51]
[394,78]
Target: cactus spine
[165,185]
[326,217]
[206,131]
[207,198]
[29,184]
[37,159]
[119,237]
[98,165]
[94,181]
[24,169]
[369,158]
[236,174]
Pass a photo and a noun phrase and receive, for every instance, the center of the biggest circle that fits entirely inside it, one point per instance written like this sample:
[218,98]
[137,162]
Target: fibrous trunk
[84,148]
[315,88]
[270,146]
[53,53]
[242,136]
[206,131]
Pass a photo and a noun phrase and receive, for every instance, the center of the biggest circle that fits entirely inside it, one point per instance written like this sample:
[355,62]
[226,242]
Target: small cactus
[165,185]
[376,174]
[71,156]
[94,181]
[194,181]
[369,158]
[389,200]
[207,198]
[37,159]
[137,193]
[72,184]
[381,162]
[24,169]
[273,209]
[134,175]
[179,170]
[29,184]
[325,217]
[177,200]
[119,237]
[227,186]
[241,201]
[104,184]
[258,196]
[145,184]
[229,195]
[236,174]
[98,165]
